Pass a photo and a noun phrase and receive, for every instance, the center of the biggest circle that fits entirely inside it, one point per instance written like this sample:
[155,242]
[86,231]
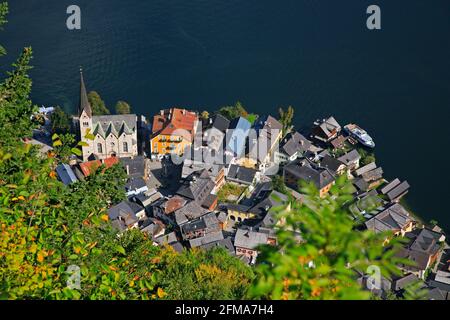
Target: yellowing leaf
[161,293]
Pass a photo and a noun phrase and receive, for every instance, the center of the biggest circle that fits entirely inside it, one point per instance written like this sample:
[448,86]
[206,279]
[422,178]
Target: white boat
[360,134]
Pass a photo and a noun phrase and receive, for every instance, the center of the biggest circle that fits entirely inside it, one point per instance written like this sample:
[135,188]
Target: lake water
[316,55]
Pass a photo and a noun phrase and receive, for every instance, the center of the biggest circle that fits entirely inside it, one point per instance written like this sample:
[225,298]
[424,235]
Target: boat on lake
[360,135]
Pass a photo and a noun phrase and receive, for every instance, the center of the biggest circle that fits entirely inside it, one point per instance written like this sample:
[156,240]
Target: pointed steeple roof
[84,101]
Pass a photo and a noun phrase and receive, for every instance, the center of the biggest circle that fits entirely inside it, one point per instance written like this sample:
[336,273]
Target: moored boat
[360,134]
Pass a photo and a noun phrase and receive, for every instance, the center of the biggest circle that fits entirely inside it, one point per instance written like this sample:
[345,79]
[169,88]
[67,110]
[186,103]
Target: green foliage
[252,117]
[15,105]
[229,190]
[61,121]
[366,156]
[3,14]
[204,115]
[278,184]
[97,104]
[199,274]
[323,265]
[123,107]
[286,117]
[235,111]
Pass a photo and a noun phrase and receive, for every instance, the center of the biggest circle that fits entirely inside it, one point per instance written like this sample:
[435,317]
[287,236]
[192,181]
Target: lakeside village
[196,181]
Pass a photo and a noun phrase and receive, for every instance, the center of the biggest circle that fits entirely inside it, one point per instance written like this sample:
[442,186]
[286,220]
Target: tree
[366,156]
[3,14]
[203,275]
[278,184]
[324,264]
[97,104]
[235,111]
[123,107]
[61,121]
[286,118]
[204,115]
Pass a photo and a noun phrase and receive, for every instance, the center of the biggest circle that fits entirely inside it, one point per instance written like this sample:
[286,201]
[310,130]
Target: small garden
[230,192]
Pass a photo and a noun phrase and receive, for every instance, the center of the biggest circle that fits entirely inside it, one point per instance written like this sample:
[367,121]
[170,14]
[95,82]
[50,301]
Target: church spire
[84,101]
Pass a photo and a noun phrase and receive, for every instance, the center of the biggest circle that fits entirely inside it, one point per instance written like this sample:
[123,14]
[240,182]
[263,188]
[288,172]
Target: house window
[125,147]
[99,148]
[85,124]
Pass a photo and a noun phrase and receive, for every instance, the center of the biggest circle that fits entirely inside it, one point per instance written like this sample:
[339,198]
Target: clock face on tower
[224,150]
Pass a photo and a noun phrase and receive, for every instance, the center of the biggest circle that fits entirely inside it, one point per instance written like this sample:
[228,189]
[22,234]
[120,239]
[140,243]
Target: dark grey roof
[350,157]
[115,124]
[404,281]
[123,212]
[167,239]
[427,241]
[320,177]
[393,218]
[197,186]
[190,211]
[295,142]
[177,246]
[373,175]
[220,122]
[193,226]
[135,184]
[84,101]
[226,244]
[135,166]
[398,191]
[331,163]
[391,185]
[241,174]
[268,123]
[360,184]
[208,238]
[366,168]
[250,239]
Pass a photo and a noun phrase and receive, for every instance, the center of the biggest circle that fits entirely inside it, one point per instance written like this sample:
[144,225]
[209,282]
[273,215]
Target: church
[114,135]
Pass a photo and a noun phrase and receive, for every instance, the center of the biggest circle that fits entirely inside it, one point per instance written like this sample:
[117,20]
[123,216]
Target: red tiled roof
[170,120]
[89,167]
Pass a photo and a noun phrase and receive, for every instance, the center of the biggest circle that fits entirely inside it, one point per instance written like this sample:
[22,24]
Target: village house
[198,187]
[201,227]
[164,209]
[247,242]
[236,137]
[424,250]
[113,135]
[226,244]
[326,130]
[208,238]
[334,165]
[217,172]
[297,172]
[214,132]
[242,175]
[395,190]
[126,215]
[293,146]
[190,211]
[172,131]
[268,135]
[394,218]
[351,160]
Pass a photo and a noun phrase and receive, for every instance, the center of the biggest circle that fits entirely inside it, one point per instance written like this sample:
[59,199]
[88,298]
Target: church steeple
[84,101]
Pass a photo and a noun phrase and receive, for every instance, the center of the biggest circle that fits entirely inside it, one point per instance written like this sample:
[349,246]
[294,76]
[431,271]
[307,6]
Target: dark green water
[314,54]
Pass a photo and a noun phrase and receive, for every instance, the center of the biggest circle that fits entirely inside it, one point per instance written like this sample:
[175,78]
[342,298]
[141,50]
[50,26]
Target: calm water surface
[316,55]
